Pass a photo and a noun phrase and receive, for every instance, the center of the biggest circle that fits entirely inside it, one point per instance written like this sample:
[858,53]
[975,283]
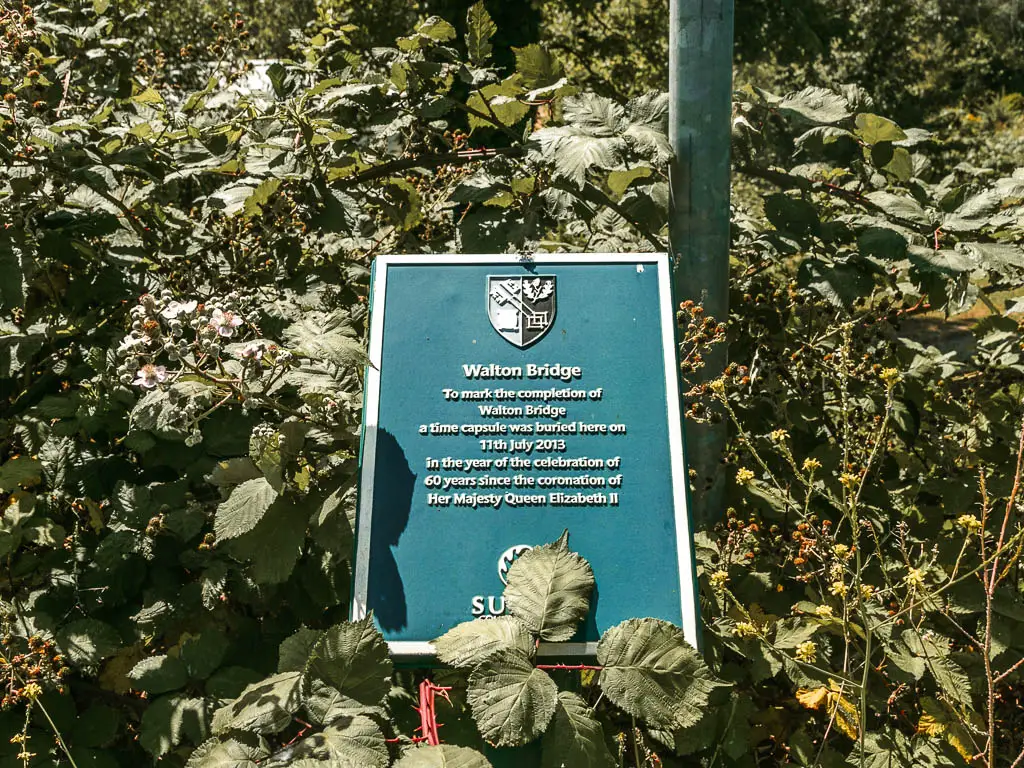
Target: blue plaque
[509,398]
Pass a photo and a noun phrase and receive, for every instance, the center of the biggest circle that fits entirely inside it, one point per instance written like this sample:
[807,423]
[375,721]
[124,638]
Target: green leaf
[202,654]
[647,129]
[349,670]
[295,651]
[619,181]
[169,720]
[934,650]
[242,750]
[159,674]
[901,165]
[351,742]
[549,590]
[499,102]
[512,701]
[22,471]
[260,196]
[442,756]
[96,727]
[480,28]
[468,644]
[100,7]
[816,105]
[900,207]
[233,471]
[264,707]
[327,336]
[575,738]
[244,508]
[653,674]
[275,544]
[437,29]
[874,129]
[88,641]
[148,96]
[792,214]
[883,243]
[537,67]
[945,261]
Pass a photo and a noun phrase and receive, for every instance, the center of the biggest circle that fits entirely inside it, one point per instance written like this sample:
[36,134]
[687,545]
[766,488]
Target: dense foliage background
[191,195]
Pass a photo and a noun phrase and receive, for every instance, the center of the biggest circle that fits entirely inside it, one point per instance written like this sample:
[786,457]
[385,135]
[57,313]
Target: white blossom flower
[225,322]
[149,375]
[176,308]
[253,351]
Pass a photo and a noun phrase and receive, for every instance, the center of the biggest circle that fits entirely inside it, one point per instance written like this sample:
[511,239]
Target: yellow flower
[779,435]
[744,476]
[839,589]
[32,691]
[18,738]
[866,591]
[915,578]
[841,551]
[969,523]
[745,629]
[824,612]
[717,386]
[849,479]
[719,579]
[811,464]
[890,377]
[807,652]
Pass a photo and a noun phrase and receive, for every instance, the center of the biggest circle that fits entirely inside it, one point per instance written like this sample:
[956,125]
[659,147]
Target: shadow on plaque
[394,484]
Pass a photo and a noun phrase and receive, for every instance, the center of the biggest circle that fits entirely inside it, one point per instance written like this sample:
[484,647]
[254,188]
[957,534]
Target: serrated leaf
[442,756]
[647,126]
[874,129]
[934,651]
[159,674]
[88,641]
[274,545]
[816,105]
[327,336]
[480,28]
[938,720]
[349,670]
[169,720]
[466,645]
[549,590]
[652,673]
[263,707]
[351,742]
[244,508]
[437,29]
[499,102]
[537,67]
[203,653]
[233,471]
[512,701]
[575,738]
[295,650]
[22,471]
[945,260]
[900,207]
[259,197]
[242,750]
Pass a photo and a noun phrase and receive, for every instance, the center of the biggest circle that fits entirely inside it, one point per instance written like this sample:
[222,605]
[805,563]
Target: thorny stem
[991,580]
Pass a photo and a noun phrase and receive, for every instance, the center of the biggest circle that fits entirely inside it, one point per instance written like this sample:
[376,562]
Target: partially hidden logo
[521,309]
[494,605]
[508,557]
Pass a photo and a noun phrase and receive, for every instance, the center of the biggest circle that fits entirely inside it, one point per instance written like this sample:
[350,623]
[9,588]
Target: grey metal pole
[700,115]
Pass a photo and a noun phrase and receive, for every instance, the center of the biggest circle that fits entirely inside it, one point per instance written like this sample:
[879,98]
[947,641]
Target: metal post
[700,111]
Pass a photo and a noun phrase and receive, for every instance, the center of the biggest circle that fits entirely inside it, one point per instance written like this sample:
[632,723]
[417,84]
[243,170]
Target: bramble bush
[184,277]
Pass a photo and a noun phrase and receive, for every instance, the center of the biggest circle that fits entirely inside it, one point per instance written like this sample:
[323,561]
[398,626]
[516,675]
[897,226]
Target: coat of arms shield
[521,309]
